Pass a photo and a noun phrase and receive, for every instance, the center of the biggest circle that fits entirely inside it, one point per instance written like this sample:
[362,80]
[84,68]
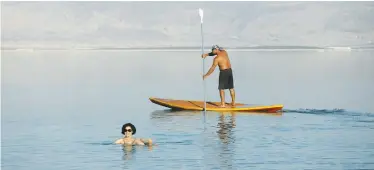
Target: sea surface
[63,109]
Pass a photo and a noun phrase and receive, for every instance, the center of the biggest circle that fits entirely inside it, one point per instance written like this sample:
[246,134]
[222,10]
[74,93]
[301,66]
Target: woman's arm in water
[119,141]
[147,141]
[139,142]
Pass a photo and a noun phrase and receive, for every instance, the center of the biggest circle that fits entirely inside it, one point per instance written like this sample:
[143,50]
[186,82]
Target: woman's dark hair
[131,126]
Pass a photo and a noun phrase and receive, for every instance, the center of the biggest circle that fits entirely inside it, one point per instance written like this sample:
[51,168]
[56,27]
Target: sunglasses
[128,130]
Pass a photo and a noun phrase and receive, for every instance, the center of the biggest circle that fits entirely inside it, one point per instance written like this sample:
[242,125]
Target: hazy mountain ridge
[170,24]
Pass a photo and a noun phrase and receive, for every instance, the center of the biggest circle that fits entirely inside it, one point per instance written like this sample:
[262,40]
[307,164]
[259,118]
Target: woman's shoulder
[119,141]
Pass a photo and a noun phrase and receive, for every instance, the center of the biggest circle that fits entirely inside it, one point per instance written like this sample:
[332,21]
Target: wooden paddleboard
[213,106]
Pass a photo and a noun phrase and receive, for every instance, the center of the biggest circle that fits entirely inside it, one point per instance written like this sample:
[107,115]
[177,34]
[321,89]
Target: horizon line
[253,47]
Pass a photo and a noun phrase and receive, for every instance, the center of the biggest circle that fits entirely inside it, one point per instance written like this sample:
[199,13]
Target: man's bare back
[225,77]
[223,60]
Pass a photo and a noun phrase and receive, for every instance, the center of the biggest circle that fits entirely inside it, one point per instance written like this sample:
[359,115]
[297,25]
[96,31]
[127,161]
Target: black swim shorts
[226,79]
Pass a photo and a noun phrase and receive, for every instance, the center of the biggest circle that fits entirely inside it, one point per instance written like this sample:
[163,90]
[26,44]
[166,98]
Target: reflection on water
[186,120]
[128,151]
[227,137]
[225,128]
[168,113]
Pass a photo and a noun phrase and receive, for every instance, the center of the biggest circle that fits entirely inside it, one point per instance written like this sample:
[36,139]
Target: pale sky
[124,24]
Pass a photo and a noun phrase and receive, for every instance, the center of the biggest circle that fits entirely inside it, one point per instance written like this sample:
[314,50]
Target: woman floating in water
[128,130]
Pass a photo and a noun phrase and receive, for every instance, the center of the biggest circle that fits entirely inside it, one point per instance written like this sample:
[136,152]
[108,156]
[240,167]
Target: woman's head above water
[128,130]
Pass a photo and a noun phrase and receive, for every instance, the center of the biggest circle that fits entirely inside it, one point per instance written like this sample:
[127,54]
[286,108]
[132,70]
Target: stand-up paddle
[201,13]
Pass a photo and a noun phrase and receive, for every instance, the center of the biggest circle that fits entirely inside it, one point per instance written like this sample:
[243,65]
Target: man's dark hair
[131,126]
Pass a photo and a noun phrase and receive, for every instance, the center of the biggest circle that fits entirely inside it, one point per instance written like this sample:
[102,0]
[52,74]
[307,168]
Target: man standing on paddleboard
[226,79]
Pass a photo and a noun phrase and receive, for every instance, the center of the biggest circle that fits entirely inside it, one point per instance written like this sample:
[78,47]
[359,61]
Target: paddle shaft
[202,52]
[201,14]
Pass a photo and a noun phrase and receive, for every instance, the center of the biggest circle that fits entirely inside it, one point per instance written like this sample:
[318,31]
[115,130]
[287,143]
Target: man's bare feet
[222,105]
[233,104]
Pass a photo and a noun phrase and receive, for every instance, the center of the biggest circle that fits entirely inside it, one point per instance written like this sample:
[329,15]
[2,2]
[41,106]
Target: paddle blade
[201,13]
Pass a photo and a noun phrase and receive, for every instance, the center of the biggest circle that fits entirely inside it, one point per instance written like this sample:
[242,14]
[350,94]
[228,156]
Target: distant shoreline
[252,48]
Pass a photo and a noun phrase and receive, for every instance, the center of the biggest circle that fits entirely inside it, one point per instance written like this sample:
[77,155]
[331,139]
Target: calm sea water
[63,109]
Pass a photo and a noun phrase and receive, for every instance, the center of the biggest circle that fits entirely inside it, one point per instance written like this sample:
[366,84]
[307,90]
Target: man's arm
[214,65]
[207,54]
